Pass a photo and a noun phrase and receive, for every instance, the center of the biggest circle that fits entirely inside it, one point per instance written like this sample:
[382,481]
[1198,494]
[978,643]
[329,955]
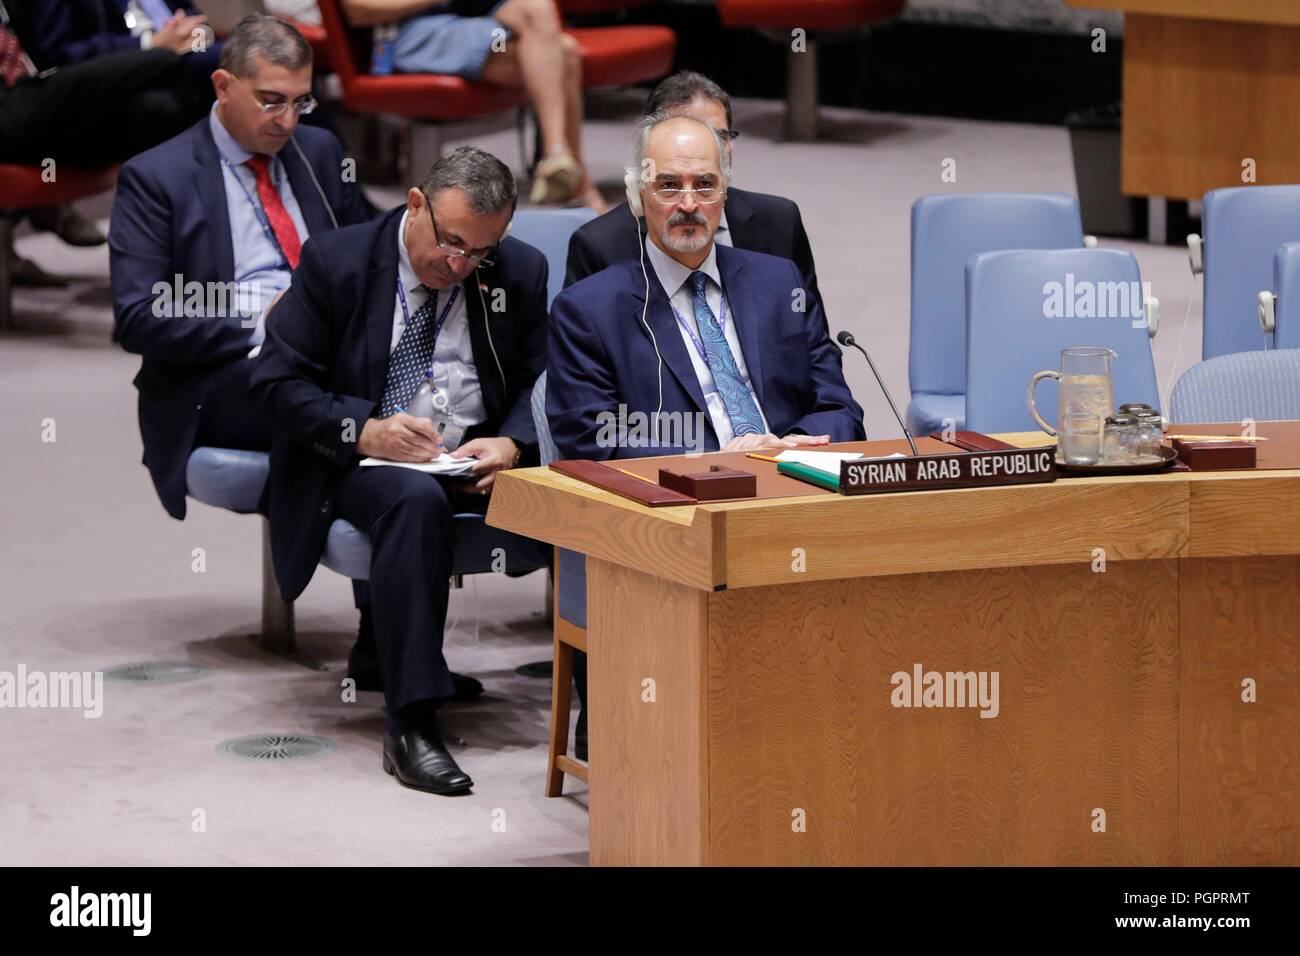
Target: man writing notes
[431,293]
[692,328]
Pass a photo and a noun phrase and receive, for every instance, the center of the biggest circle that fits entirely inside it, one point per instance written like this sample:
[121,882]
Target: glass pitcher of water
[1087,397]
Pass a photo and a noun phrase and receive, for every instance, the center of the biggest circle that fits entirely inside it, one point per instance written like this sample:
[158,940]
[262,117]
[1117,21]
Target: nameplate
[1007,466]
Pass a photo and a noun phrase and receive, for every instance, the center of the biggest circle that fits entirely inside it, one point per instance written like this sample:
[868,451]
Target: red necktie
[13,64]
[285,233]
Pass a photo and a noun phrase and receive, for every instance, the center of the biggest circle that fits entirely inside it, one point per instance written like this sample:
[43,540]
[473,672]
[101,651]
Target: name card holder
[1006,466]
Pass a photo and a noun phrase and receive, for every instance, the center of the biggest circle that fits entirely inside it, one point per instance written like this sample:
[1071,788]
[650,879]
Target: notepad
[827,461]
[444,465]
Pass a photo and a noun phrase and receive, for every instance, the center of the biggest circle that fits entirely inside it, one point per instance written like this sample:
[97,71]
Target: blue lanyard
[260,214]
[695,339]
[437,328]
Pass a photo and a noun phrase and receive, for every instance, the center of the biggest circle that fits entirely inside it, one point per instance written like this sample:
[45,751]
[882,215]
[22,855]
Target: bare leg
[540,51]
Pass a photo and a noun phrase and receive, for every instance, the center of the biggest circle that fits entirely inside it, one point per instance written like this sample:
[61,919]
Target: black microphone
[847,340]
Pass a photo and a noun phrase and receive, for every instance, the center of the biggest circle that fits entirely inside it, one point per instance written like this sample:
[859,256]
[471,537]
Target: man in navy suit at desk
[206,229]
[729,337]
[717,347]
[433,292]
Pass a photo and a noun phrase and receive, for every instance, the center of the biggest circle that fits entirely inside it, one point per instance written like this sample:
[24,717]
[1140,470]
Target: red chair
[25,187]
[778,18]
[612,56]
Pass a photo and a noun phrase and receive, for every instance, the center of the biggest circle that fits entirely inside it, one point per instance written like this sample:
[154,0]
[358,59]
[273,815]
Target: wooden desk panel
[1245,11]
[800,719]
[1119,690]
[1239,762]
[1208,84]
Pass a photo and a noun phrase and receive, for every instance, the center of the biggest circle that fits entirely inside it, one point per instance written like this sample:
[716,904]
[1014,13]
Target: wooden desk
[734,696]
[1208,84]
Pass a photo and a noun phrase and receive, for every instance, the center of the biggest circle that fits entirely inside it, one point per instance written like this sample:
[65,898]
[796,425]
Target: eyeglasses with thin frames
[669,195]
[302,106]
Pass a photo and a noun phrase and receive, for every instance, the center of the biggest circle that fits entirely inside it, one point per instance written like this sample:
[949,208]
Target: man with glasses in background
[206,231]
[748,220]
[431,305]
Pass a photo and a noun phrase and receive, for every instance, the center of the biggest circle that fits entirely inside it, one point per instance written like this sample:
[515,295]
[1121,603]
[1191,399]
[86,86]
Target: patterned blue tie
[739,402]
[410,360]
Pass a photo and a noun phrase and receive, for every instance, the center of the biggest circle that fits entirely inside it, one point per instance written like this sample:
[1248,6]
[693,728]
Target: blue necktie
[410,360]
[736,397]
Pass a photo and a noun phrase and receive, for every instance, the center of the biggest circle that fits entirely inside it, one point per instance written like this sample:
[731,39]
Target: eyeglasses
[475,258]
[729,134]
[301,106]
[668,195]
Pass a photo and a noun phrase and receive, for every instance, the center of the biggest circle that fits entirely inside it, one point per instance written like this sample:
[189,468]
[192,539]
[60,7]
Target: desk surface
[717,546]
[1246,11]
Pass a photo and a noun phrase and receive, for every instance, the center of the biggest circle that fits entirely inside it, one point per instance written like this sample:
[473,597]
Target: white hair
[646,125]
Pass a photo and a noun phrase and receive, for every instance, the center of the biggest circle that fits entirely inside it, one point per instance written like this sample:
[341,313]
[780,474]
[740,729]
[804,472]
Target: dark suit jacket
[756,221]
[59,32]
[325,361]
[169,219]
[601,356]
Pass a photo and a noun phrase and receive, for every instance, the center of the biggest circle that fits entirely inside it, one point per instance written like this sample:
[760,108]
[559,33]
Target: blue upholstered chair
[1015,327]
[946,231]
[233,480]
[1264,386]
[549,230]
[1243,226]
[570,625]
[1279,309]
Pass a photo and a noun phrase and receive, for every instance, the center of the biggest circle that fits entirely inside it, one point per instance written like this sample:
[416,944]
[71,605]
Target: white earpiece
[633,189]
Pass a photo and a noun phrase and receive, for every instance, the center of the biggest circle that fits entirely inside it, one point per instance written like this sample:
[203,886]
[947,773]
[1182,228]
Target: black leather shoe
[580,736]
[363,665]
[419,760]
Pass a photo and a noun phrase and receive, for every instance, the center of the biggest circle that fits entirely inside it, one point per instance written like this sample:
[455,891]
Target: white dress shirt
[672,276]
[454,371]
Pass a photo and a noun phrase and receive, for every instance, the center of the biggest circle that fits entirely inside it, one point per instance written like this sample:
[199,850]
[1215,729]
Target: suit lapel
[210,185]
[745,313]
[314,215]
[740,223]
[377,310]
[663,323]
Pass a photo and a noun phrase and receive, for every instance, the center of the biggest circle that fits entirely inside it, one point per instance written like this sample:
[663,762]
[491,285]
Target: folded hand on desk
[750,442]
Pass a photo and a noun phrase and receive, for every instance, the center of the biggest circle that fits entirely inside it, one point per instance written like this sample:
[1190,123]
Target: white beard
[685,244]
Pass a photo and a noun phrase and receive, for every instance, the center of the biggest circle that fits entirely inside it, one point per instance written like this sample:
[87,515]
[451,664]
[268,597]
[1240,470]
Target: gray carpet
[94,574]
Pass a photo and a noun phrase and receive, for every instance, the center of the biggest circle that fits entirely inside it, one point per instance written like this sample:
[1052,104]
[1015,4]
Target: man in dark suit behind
[222,208]
[749,220]
[373,312]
